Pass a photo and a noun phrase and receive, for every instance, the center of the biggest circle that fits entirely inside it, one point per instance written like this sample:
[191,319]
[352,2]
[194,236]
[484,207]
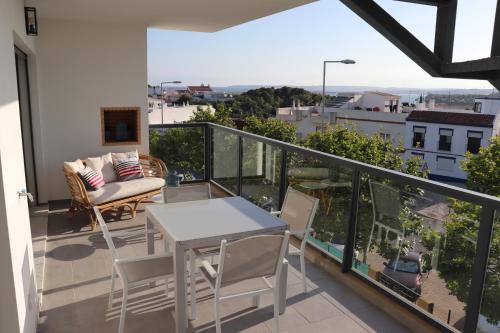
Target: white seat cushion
[120,190]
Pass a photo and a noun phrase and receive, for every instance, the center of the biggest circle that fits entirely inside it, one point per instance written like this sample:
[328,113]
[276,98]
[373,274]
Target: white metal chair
[187,193]
[133,271]
[246,265]
[298,211]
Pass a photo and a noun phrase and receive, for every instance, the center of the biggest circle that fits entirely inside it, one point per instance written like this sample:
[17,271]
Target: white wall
[18,299]
[173,114]
[430,149]
[371,123]
[81,68]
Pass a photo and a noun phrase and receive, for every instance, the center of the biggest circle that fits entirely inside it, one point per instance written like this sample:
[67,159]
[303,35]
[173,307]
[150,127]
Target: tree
[374,150]
[272,128]
[457,258]
[184,99]
[263,102]
[205,115]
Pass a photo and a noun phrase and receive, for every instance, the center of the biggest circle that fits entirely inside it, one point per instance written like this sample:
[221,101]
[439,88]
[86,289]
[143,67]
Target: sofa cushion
[127,165]
[104,166]
[74,166]
[90,178]
[120,190]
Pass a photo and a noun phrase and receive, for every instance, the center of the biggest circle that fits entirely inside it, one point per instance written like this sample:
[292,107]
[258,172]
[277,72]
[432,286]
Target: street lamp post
[345,62]
[162,94]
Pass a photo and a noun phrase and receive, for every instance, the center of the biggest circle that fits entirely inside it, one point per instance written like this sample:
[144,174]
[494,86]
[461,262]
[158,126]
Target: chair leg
[192,283]
[303,271]
[276,310]
[110,302]
[124,309]
[217,315]
[93,221]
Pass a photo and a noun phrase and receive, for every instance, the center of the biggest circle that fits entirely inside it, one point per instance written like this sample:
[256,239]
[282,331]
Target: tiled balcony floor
[77,282]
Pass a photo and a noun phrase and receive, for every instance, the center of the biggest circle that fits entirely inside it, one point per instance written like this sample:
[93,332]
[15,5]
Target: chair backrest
[252,257]
[105,233]
[298,210]
[187,193]
[385,200]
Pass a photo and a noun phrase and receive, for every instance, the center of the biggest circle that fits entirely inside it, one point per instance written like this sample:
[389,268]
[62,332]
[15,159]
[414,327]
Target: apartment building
[441,139]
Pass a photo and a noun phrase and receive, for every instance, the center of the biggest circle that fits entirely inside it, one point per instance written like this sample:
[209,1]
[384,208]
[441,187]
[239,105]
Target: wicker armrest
[152,166]
[76,188]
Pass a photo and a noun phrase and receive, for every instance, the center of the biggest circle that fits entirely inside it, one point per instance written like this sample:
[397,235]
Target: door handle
[24,193]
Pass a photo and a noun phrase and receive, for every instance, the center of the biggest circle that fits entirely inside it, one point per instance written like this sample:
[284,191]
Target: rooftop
[452,118]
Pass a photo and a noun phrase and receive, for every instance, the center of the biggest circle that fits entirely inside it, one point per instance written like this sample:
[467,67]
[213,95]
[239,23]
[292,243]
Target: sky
[288,48]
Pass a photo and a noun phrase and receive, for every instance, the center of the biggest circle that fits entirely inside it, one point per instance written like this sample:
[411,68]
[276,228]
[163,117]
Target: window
[477,107]
[419,136]
[445,136]
[445,163]
[474,141]
[120,125]
[385,136]
[420,155]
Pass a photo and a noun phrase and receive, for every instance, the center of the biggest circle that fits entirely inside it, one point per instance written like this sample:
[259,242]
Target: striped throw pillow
[128,169]
[91,179]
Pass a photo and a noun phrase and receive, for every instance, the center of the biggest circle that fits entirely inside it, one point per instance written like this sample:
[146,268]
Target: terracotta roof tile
[452,118]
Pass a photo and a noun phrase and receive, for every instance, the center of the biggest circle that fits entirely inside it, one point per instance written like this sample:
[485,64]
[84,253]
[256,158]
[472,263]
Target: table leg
[180,289]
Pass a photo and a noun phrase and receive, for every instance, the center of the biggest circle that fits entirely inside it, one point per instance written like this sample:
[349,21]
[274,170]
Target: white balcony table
[203,223]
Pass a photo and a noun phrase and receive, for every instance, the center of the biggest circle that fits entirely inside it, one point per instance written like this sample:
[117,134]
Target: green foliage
[263,102]
[184,99]
[221,115]
[457,259]
[483,169]
[272,128]
[180,148]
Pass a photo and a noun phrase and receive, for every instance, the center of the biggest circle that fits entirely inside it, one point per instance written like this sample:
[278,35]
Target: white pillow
[74,166]
[125,156]
[103,165]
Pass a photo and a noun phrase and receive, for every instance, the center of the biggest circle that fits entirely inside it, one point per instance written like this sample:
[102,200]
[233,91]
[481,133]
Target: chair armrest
[209,268]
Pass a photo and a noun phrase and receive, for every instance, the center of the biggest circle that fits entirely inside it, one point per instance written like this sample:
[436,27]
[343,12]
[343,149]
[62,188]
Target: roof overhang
[190,15]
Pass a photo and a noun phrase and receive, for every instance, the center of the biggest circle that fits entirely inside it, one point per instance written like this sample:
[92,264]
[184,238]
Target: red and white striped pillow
[91,179]
[128,168]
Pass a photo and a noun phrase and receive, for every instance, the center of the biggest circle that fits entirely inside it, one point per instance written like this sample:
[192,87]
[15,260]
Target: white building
[308,119]
[379,102]
[441,140]
[173,114]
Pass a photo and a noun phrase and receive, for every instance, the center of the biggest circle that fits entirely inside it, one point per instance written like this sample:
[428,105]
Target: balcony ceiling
[191,15]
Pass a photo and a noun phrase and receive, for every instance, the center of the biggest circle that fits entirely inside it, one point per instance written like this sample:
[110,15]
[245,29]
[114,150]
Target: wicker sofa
[119,194]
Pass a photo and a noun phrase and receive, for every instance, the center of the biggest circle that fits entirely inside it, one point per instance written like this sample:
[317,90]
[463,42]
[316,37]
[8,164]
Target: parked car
[404,275]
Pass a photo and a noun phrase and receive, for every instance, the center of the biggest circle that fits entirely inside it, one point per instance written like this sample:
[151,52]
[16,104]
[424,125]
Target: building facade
[441,139]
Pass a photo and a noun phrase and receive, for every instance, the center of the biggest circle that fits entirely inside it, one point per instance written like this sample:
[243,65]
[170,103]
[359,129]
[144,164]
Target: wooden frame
[152,167]
[136,109]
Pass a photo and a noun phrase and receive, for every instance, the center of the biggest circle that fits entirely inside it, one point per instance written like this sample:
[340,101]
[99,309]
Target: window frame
[137,141]
[423,136]
[449,136]
[471,137]
[445,158]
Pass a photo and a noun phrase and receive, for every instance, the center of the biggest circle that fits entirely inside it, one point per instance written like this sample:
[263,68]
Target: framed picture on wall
[30,21]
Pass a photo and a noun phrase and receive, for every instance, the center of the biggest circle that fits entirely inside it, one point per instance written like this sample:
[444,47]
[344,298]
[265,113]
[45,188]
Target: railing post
[479,269]
[239,175]
[351,229]
[283,177]
[208,153]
